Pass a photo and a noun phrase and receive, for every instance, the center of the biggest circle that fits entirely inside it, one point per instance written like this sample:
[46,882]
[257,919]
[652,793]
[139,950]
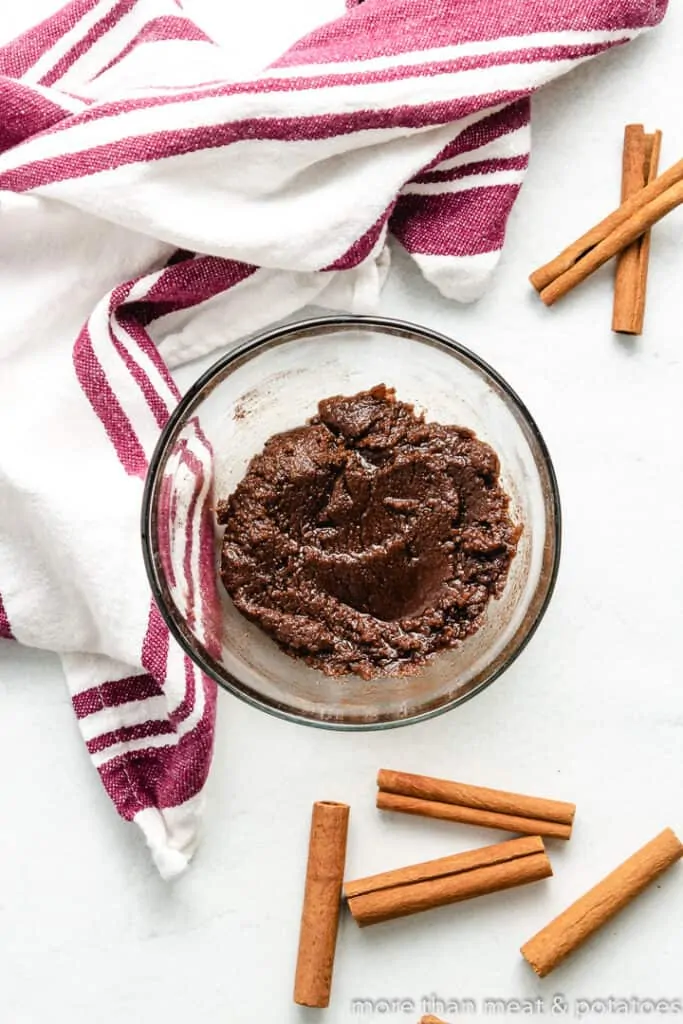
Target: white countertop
[591,712]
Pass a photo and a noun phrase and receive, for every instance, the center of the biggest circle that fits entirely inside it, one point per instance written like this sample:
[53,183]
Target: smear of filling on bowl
[369,539]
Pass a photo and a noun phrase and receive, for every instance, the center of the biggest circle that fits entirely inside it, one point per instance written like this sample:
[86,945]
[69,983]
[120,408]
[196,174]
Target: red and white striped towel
[152,209]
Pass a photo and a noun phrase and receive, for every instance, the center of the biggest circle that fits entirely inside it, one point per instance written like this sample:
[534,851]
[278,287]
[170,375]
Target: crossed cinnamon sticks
[419,887]
[646,200]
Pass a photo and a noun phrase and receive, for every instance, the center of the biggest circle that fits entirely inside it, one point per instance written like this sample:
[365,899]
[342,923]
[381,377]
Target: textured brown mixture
[368,540]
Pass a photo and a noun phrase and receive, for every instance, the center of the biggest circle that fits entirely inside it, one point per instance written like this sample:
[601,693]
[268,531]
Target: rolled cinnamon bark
[474,805]
[567,931]
[470,816]
[447,880]
[455,864]
[621,227]
[640,167]
[322,901]
[644,218]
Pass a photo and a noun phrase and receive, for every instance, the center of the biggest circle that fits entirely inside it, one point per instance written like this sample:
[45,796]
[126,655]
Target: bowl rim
[249,347]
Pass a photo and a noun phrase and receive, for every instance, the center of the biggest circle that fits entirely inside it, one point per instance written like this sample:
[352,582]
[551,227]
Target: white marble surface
[592,711]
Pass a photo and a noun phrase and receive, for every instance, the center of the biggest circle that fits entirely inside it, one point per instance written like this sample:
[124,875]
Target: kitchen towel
[152,209]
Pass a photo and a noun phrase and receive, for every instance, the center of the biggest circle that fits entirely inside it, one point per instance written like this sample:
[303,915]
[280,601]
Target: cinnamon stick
[622,227]
[470,816]
[456,863]
[322,900]
[447,880]
[640,166]
[567,931]
[474,805]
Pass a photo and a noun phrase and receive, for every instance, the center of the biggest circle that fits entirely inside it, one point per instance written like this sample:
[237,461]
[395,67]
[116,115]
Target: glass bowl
[273,383]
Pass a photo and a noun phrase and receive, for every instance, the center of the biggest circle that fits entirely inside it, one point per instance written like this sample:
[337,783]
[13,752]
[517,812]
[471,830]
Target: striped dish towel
[152,209]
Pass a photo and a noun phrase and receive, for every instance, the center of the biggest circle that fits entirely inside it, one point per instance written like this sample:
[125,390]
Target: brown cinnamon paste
[368,540]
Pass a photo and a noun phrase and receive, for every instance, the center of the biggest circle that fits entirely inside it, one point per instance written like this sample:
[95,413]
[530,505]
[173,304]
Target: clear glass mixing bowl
[272,383]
